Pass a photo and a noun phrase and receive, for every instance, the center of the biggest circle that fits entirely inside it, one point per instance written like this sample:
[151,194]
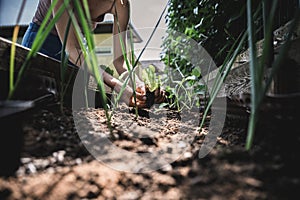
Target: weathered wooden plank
[40,64]
[238,80]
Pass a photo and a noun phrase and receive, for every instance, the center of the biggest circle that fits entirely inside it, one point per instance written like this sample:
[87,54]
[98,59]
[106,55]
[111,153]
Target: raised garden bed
[42,76]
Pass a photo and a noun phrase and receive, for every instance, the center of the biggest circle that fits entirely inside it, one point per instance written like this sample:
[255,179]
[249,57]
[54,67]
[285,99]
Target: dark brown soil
[56,164]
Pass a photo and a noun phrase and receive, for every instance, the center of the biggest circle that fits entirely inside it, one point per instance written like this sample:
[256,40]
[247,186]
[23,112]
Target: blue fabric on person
[51,46]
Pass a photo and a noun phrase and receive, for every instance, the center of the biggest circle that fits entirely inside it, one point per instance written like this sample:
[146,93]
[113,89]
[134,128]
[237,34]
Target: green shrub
[213,24]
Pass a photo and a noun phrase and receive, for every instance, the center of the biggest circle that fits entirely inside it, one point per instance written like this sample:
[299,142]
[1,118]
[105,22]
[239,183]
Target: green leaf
[107,69]
[196,72]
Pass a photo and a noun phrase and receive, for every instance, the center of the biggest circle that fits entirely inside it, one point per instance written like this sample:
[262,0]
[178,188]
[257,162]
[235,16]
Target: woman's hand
[128,97]
[160,96]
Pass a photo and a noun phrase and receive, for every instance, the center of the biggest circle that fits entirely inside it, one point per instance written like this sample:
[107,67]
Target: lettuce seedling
[152,83]
[150,79]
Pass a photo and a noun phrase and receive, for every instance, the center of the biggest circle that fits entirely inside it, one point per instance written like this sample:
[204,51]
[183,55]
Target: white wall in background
[144,16]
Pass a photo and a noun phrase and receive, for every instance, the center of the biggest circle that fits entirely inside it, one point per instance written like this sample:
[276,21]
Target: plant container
[12,114]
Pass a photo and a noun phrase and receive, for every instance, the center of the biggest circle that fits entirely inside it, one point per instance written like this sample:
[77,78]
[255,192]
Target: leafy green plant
[183,91]
[204,21]
[107,69]
[152,82]
[212,23]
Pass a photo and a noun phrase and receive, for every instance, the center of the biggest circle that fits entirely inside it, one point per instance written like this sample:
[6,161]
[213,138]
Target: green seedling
[150,79]
[107,69]
[152,83]
[183,93]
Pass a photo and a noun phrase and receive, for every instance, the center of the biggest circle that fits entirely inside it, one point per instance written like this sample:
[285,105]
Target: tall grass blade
[268,32]
[261,91]
[13,48]
[133,78]
[12,58]
[88,50]
[225,69]
[64,64]
[124,53]
[39,40]
[254,73]
[221,76]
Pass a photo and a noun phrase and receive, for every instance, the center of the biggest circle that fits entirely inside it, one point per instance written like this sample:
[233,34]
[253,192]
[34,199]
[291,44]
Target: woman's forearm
[109,79]
[121,18]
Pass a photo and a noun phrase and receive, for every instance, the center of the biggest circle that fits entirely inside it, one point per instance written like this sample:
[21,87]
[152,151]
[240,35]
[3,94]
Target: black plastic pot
[12,114]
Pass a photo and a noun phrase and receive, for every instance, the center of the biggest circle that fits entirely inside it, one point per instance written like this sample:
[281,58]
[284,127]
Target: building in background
[143,17]
[104,42]
[9,10]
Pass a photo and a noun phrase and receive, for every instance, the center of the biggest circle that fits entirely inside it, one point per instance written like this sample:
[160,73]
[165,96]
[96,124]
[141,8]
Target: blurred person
[98,8]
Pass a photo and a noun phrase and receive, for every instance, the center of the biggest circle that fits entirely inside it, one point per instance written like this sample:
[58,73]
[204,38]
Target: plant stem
[133,83]
[253,74]
[64,65]
[13,50]
[12,58]
[87,49]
